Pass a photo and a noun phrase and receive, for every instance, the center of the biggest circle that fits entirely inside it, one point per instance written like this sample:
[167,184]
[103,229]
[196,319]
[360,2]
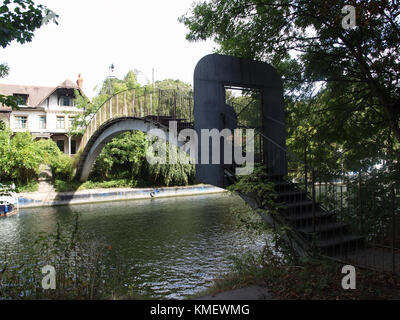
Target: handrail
[105,101]
[127,103]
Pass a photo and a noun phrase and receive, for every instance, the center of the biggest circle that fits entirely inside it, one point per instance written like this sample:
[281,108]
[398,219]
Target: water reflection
[177,245]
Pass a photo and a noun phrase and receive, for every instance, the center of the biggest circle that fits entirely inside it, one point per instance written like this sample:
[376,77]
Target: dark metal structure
[213,73]
[341,217]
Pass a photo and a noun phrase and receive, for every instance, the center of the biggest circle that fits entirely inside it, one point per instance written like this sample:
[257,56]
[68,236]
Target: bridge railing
[139,103]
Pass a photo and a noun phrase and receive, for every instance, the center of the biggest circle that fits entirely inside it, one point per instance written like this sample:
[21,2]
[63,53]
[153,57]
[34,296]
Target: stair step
[284,182]
[285,185]
[291,196]
[322,227]
[275,177]
[289,193]
[340,240]
[298,204]
[309,215]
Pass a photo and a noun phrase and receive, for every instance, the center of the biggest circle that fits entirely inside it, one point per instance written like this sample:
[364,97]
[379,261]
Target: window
[60,122]
[21,122]
[65,101]
[42,122]
[22,98]
[60,145]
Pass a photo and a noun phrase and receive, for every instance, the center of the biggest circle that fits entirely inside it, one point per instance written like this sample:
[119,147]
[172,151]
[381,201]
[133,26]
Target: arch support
[109,131]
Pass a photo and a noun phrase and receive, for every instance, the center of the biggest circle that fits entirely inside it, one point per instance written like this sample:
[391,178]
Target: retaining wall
[36,199]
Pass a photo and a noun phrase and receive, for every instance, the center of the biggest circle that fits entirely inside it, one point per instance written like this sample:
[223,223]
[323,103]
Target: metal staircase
[314,229]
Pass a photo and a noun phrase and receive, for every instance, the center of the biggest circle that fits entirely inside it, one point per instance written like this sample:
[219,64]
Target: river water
[177,245]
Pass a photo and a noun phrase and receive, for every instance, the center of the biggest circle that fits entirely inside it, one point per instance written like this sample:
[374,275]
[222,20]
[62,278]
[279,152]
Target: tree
[18,21]
[124,157]
[306,42]
[170,84]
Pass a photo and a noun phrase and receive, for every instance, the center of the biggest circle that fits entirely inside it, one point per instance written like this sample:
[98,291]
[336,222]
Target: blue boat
[8,201]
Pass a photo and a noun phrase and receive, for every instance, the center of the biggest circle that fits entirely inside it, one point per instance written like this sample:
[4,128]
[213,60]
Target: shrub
[62,167]
[49,150]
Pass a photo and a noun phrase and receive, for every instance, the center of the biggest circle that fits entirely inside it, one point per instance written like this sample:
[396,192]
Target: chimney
[79,82]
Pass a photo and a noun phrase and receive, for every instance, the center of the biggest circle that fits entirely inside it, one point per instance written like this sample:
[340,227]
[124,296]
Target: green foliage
[20,157]
[350,72]
[30,186]
[60,163]
[62,186]
[62,167]
[86,268]
[3,125]
[49,150]
[112,85]
[124,157]
[256,184]
[18,20]
[170,84]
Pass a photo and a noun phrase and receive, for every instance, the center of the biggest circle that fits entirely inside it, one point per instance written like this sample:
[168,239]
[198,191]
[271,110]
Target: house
[46,112]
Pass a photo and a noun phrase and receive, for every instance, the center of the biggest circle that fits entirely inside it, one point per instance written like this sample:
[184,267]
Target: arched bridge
[312,226]
[132,109]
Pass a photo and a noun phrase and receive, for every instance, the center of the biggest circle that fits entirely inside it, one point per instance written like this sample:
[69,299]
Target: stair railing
[344,201]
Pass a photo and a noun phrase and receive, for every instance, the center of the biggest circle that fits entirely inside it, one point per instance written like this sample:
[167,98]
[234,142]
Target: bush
[31,186]
[62,167]
[20,157]
[49,150]
[61,164]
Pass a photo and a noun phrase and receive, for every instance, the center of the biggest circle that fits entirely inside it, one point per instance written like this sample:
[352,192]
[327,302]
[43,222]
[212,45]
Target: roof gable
[36,94]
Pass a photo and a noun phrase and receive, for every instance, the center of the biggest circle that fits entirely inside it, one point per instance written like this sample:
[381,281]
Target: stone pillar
[69,145]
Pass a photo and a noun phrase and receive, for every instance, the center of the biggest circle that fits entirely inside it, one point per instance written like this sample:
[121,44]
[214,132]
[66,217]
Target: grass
[62,186]
[31,186]
[309,279]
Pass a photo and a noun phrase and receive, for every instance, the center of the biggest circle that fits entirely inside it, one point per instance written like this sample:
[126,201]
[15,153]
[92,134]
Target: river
[177,245]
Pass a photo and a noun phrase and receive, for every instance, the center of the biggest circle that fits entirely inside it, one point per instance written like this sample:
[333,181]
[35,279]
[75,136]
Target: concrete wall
[5,118]
[33,117]
[27,200]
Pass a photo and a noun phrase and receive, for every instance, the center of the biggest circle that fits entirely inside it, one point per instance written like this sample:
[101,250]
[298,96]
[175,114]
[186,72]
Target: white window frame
[18,122]
[57,123]
[40,122]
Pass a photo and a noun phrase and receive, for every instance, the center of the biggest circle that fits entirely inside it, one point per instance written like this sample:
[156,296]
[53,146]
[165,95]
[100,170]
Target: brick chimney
[79,82]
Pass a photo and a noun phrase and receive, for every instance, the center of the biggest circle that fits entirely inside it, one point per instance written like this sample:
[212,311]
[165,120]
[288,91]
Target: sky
[93,34]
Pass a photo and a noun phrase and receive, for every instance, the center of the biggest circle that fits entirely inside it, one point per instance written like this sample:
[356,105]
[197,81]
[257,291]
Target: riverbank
[47,199]
[305,280]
